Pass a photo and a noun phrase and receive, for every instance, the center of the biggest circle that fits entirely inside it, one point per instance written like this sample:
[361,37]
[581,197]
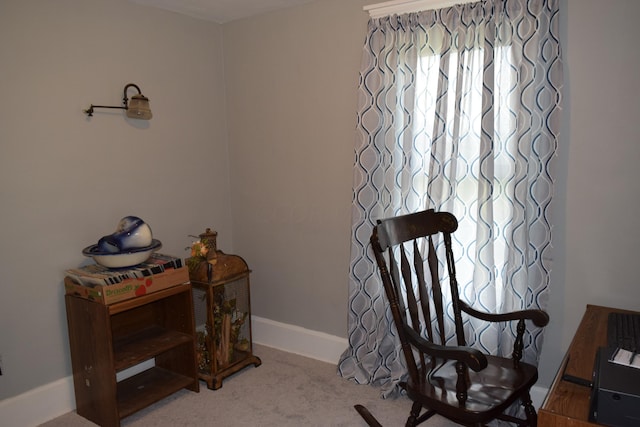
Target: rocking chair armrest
[538,317]
[473,358]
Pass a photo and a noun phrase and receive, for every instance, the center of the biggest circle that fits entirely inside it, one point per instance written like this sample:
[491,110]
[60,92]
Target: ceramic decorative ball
[131,233]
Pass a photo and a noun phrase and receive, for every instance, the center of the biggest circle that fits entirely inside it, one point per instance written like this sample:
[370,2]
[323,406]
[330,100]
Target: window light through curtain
[458,110]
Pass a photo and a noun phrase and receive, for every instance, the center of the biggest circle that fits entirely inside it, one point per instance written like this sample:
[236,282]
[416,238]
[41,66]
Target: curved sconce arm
[137,109]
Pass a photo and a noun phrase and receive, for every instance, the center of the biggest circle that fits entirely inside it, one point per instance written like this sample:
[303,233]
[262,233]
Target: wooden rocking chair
[457,382]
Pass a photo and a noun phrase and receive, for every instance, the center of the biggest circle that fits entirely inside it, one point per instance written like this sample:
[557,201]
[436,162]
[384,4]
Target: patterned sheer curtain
[458,111]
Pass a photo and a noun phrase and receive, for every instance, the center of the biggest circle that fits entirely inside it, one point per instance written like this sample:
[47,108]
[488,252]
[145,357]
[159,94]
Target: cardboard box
[129,288]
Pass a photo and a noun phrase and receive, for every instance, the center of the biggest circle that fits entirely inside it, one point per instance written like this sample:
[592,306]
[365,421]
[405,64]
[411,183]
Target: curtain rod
[398,7]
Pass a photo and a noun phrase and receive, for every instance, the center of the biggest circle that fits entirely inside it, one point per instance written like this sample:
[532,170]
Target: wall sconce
[138,108]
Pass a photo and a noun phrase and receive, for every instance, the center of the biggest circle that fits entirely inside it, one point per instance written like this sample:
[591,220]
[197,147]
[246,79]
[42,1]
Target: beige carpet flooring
[286,390]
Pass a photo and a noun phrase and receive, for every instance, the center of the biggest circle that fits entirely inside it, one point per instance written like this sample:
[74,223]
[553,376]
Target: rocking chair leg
[367,416]
[412,421]
[529,410]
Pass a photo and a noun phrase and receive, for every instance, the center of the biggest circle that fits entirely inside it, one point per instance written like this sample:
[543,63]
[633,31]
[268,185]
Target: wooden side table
[567,403]
[106,339]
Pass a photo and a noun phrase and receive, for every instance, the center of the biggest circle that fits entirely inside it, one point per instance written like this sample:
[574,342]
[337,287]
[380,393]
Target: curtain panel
[458,110]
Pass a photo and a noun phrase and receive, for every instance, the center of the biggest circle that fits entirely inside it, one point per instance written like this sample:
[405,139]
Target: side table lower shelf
[147,387]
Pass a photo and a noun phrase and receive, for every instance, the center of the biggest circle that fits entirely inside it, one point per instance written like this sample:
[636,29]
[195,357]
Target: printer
[615,396]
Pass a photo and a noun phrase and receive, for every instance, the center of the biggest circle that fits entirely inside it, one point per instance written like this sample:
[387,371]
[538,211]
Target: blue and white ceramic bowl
[122,259]
[132,243]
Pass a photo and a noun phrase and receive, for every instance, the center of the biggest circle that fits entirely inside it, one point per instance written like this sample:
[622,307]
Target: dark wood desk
[567,404]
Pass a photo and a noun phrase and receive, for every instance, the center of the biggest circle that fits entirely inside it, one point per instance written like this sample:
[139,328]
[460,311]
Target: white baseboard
[297,340]
[38,405]
[52,400]
[537,395]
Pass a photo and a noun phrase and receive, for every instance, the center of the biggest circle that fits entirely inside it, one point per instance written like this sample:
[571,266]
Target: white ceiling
[221,11]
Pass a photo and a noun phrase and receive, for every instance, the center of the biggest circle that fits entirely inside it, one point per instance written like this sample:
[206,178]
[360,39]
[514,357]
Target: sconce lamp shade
[139,108]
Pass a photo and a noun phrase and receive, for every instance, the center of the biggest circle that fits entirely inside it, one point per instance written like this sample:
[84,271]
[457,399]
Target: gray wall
[273,176]
[598,195]
[291,96]
[65,180]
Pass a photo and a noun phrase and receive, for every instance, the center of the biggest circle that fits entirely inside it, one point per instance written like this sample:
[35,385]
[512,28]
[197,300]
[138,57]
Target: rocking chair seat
[492,390]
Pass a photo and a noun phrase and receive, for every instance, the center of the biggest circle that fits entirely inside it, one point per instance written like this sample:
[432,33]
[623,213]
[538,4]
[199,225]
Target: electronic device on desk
[615,396]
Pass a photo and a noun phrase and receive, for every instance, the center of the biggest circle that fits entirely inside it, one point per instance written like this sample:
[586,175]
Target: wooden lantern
[222,309]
